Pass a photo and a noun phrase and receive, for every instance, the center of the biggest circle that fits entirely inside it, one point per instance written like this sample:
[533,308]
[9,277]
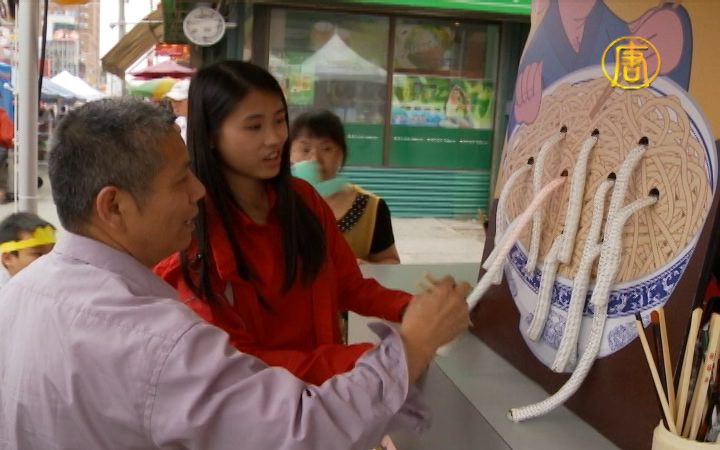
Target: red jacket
[300,330]
[7,130]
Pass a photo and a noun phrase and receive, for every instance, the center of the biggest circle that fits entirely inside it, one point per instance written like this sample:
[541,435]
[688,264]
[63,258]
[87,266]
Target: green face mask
[310,172]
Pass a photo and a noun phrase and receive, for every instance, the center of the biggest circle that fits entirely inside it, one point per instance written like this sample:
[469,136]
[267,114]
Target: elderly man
[96,353]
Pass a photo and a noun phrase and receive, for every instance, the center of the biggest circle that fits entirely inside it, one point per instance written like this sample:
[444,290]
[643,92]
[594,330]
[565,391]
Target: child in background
[24,237]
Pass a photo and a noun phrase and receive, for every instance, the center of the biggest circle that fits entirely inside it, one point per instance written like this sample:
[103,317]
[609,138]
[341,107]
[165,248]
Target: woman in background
[319,151]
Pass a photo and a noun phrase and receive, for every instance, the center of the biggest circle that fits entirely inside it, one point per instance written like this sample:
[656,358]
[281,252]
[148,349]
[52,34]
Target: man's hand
[431,320]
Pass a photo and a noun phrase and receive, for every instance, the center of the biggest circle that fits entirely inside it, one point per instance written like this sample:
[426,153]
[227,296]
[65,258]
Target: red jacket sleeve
[364,296]
[313,367]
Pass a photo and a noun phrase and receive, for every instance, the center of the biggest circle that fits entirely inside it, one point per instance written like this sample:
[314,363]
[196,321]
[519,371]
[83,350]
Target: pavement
[418,240]
[430,240]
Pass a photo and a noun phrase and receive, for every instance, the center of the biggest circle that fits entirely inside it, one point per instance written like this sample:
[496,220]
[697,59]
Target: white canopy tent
[77,86]
[337,61]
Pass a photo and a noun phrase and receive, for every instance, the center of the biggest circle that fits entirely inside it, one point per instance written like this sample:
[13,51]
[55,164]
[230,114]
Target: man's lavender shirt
[96,353]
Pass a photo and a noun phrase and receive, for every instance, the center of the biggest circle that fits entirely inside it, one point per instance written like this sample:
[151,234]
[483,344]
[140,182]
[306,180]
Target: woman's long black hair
[215,91]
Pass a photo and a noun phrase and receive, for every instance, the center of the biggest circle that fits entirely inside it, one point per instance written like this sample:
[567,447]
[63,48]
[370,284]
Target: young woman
[267,264]
[362,217]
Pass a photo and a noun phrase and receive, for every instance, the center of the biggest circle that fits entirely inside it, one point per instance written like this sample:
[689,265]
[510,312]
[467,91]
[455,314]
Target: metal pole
[121,33]
[27,111]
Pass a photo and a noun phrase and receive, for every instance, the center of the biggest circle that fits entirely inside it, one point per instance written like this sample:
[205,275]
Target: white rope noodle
[568,342]
[509,240]
[500,214]
[504,248]
[504,194]
[493,254]
[563,242]
[607,270]
[498,276]
[617,199]
[573,383]
[547,282]
[537,184]
[623,180]
[575,202]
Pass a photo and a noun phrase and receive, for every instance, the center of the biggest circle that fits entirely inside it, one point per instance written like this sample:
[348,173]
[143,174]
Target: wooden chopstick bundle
[701,355]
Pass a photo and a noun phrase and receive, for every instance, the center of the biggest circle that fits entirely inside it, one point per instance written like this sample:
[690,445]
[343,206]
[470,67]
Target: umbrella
[164,69]
[156,88]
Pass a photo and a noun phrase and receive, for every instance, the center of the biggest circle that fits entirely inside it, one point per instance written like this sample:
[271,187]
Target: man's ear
[111,206]
[8,259]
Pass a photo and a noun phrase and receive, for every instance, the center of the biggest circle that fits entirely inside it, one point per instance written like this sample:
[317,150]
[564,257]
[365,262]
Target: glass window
[443,94]
[335,61]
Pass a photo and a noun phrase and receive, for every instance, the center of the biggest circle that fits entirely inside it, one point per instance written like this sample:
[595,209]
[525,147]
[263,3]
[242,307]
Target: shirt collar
[98,254]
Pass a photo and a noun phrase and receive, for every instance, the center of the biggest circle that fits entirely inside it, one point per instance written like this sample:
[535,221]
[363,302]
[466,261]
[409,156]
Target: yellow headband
[41,236]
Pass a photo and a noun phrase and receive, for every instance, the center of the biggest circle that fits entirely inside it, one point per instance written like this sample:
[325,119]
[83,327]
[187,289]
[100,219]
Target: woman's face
[252,136]
[180,107]
[325,151]
[455,95]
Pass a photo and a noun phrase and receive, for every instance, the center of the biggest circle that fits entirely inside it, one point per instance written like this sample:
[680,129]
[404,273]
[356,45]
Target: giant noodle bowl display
[656,241]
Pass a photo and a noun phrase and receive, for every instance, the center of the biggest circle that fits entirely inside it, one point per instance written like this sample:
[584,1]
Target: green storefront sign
[365,143]
[467,149]
[441,148]
[519,7]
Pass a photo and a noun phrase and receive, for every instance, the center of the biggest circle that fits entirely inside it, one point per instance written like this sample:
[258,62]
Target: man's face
[163,223]
[17,260]
[180,107]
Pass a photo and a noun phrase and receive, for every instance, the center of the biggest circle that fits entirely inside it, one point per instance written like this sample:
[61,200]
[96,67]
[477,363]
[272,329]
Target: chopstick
[701,385]
[656,378]
[670,386]
[657,338]
[684,381]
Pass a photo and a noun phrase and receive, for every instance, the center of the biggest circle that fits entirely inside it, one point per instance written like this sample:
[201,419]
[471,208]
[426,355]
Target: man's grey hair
[110,142]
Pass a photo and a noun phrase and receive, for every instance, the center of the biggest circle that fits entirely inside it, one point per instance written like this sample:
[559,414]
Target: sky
[135,10]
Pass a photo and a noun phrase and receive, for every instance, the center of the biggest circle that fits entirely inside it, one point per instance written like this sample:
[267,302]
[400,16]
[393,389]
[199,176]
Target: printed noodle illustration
[675,163]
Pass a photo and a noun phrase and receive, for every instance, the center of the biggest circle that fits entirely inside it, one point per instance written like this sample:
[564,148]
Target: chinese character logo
[631,66]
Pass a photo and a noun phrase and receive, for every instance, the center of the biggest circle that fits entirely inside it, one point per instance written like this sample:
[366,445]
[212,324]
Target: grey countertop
[470,388]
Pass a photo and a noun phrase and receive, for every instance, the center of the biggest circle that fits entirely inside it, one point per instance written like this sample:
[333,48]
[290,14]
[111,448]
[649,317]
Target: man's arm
[210,396]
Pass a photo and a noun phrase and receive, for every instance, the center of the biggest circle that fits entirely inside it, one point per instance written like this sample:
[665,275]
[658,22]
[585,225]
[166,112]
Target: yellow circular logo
[630,69]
